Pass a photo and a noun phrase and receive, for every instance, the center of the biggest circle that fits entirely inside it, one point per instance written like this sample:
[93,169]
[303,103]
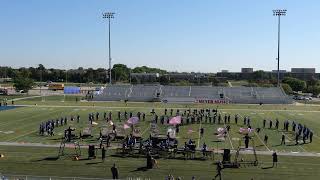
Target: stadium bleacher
[142,93]
[188,94]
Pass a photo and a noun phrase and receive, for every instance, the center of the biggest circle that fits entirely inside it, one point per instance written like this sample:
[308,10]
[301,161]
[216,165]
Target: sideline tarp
[71,90]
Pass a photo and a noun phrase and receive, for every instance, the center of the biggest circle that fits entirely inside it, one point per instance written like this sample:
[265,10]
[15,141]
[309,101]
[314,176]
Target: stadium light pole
[40,81]
[279,13]
[109,15]
[64,95]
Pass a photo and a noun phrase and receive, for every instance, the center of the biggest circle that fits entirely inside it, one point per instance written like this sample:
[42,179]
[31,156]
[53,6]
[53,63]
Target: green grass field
[32,161]
[21,125]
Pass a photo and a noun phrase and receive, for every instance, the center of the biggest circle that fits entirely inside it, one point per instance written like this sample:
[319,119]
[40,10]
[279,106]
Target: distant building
[246,70]
[144,77]
[281,71]
[304,73]
[181,76]
[245,74]
[303,70]
[5,80]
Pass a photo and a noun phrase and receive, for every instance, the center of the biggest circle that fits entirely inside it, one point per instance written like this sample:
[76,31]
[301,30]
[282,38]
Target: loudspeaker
[226,155]
[91,151]
[221,96]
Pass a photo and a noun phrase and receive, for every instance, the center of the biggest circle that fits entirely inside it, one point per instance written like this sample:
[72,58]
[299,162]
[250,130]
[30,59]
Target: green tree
[164,80]
[145,69]
[183,83]
[313,86]
[295,84]
[316,90]
[260,75]
[266,85]
[121,72]
[312,82]
[22,82]
[287,89]
[41,67]
[213,80]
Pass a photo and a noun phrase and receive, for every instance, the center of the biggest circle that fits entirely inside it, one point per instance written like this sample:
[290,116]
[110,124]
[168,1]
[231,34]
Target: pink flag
[220,135]
[242,130]
[133,120]
[126,126]
[190,131]
[245,130]
[221,130]
[175,120]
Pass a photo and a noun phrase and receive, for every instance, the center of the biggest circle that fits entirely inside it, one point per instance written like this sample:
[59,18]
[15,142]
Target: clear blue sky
[177,35]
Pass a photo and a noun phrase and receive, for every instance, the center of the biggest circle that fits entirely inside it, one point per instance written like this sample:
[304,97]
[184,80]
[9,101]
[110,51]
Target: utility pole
[109,15]
[279,13]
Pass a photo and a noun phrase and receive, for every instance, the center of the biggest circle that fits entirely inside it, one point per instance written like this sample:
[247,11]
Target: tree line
[25,78]
[119,72]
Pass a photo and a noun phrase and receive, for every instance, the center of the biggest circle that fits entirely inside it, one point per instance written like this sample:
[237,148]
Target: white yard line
[258,137]
[17,137]
[230,140]
[316,136]
[28,124]
[290,138]
[228,135]
[145,131]
[30,132]
[22,119]
[298,144]
[23,98]
[199,135]
[262,141]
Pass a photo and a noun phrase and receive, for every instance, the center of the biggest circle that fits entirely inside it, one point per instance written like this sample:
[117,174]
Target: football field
[24,149]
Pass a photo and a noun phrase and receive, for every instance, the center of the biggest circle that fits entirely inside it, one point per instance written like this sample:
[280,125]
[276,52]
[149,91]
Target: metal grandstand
[188,94]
